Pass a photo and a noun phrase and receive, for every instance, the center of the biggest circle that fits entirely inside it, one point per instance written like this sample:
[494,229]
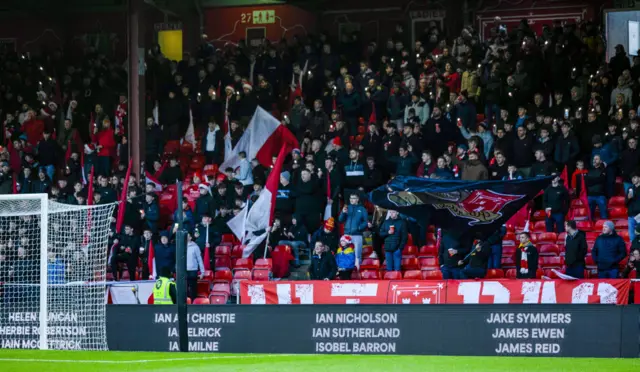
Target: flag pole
[266,243]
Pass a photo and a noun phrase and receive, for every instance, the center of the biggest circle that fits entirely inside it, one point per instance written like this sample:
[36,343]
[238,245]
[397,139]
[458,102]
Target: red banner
[636,291]
[436,292]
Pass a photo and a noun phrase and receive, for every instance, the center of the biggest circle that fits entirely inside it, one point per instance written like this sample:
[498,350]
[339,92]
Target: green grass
[71,361]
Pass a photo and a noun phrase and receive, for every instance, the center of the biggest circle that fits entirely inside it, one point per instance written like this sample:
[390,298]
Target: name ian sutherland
[536,333]
[366,333]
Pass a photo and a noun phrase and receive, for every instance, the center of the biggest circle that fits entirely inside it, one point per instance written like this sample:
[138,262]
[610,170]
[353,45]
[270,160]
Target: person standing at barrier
[526,258]
[164,290]
[476,261]
[354,216]
[346,258]
[608,250]
[575,246]
[323,264]
[194,263]
[394,232]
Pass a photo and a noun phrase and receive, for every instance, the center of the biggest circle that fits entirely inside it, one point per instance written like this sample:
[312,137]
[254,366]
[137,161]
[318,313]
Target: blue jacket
[608,251]
[355,220]
[151,216]
[346,257]
[608,153]
[399,238]
[165,255]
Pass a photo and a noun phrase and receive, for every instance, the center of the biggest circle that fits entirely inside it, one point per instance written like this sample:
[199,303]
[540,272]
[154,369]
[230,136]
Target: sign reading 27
[259,17]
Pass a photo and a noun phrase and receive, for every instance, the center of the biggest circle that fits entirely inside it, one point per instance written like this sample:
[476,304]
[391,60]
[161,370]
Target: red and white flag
[151,261]
[149,178]
[190,136]
[264,136]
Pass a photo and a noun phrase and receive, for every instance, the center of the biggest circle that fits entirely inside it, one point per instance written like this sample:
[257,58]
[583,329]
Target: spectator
[495,246]
[323,264]
[346,258]
[476,262]
[483,133]
[472,169]
[213,143]
[451,253]
[244,174]
[556,205]
[125,252]
[542,167]
[608,250]
[326,235]
[394,232]
[576,249]
[165,253]
[151,212]
[633,204]
[526,258]
[595,180]
[632,264]
[194,265]
[297,237]
[354,217]
[567,148]
[404,162]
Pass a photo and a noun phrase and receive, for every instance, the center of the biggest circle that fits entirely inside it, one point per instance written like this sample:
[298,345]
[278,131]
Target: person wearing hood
[420,107]
[608,250]
[576,249]
[213,143]
[619,62]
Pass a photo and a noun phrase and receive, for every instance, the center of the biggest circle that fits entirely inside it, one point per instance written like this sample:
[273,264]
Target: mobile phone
[566,113]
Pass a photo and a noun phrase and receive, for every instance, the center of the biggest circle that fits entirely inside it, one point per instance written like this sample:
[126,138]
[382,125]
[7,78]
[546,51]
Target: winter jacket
[523,151]
[397,240]
[322,266]
[567,149]
[346,257]
[532,261]
[595,180]
[470,83]
[330,239]
[608,153]
[542,169]
[354,172]
[486,136]
[355,220]
[474,170]
[575,247]
[450,241]
[633,204]
[608,251]
[396,105]
[466,112]
[308,198]
[421,109]
[351,103]
[218,141]
[151,216]
[556,198]
[165,255]
[204,205]
[404,165]
[629,162]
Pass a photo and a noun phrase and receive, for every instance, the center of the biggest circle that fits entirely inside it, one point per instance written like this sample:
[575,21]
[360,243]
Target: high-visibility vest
[161,294]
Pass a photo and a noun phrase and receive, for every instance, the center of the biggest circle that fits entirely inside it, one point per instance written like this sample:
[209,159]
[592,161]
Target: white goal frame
[44,249]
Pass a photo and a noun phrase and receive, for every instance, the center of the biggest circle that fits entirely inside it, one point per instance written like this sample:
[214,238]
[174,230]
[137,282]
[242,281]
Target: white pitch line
[139,360]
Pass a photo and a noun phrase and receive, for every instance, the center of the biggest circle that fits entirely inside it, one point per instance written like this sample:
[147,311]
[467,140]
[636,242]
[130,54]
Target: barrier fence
[474,330]
[614,291]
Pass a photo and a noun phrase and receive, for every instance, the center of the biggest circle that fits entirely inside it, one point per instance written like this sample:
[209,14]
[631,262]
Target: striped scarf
[524,258]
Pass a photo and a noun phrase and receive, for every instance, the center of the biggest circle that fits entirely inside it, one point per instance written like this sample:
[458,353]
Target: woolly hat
[247,85]
[345,240]
[610,225]
[229,87]
[329,224]
[286,175]
[205,187]
[337,141]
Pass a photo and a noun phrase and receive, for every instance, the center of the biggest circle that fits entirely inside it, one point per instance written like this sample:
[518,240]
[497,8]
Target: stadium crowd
[516,105]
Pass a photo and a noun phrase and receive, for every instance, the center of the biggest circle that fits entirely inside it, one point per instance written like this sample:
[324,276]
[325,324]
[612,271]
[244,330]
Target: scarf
[524,258]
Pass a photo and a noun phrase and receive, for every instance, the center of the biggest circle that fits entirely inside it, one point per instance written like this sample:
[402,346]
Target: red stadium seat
[584,225]
[549,250]
[412,275]
[509,251]
[241,274]
[218,299]
[508,262]
[510,274]
[589,263]
[429,263]
[539,226]
[495,274]
[432,275]
[576,203]
[204,288]
[237,251]
[283,248]
[616,201]
[392,275]
[429,250]
[624,234]
[370,264]
[221,288]
[598,225]
[539,274]
[621,224]
[370,275]
[263,263]
[539,215]
[580,214]
[409,239]
[202,301]
[366,251]
[261,274]
[547,262]
[223,275]
[244,263]
[618,213]
[410,264]
[223,261]
[228,238]
[223,250]
[208,275]
[355,275]
[431,237]
[197,162]
[547,238]
[361,129]
[409,251]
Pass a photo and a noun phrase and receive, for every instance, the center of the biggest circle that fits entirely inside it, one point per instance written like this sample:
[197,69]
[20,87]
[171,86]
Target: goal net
[53,260]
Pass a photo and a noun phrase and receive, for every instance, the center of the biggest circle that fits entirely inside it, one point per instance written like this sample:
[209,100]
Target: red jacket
[453,82]
[105,138]
[33,129]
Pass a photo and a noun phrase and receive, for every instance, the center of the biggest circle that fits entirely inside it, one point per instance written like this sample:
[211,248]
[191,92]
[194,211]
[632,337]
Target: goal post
[53,259]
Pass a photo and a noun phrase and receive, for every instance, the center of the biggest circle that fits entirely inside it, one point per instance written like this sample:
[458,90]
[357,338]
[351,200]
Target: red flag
[207,258]
[90,191]
[334,106]
[123,199]
[15,183]
[67,155]
[157,174]
[219,87]
[92,123]
[152,260]
[565,178]
[372,117]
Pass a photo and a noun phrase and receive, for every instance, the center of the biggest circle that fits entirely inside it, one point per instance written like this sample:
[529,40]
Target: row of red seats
[437,274]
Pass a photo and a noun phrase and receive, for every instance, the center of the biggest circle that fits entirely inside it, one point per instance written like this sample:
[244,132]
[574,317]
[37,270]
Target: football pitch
[85,361]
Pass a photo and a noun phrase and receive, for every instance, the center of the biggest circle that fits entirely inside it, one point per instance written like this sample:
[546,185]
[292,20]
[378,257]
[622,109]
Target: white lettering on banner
[356,347]
[198,328]
[470,292]
[196,318]
[203,346]
[528,334]
[608,293]
[52,317]
[353,340]
[531,292]
[354,290]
